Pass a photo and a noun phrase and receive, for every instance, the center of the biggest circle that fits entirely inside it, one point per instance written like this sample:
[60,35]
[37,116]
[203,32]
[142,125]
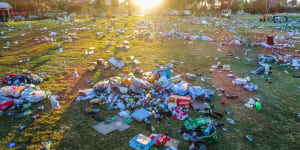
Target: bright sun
[147,4]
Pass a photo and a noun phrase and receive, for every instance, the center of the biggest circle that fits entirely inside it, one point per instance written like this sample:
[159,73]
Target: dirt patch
[221,81]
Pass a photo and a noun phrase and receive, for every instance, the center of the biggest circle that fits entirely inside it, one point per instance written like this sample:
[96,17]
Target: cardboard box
[182,101]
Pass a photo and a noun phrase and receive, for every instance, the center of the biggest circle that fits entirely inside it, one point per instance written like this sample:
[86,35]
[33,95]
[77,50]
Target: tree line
[197,6]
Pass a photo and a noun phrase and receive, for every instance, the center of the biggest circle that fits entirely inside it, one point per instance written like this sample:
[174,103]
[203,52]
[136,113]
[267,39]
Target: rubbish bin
[270,40]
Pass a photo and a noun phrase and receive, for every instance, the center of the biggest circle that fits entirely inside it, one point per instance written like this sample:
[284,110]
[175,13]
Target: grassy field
[276,126]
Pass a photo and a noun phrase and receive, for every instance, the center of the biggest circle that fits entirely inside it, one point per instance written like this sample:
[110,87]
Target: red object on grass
[159,138]
[5,105]
[223,102]
[4,81]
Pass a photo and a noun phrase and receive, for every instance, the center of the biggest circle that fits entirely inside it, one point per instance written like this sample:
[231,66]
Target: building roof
[4,5]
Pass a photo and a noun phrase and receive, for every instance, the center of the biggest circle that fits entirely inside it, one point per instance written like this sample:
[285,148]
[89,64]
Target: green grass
[276,126]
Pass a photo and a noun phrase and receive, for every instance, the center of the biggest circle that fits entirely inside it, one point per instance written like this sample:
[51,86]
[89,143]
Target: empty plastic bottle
[207,130]
[26,106]
[153,130]
[21,127]
[230,120]
[228,112]
[26,113]
[75,74]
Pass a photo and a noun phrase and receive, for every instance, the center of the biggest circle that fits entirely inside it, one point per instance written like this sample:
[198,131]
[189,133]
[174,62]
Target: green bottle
[153,130]
[26,106]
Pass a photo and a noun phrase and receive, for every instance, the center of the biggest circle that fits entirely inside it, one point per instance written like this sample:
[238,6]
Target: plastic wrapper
[139,86]
[239,81]
[18,101]
[196,91]
[35,79]
[141,114]
[55,104]
[115,82]
[175,79]
[4,105]
[159,138]
[11,91]
[3,98]
[162,72]
[101,86]
[180,88]
[250,104]
[251,87]
[123,90]
[112,98]
[179,114]
[36,96]
[116,62]
[127,81]
[86,94]
[164,82]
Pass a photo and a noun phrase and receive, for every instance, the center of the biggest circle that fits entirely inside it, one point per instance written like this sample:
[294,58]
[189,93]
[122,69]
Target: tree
[99,6]
[276,8]
[223,5]
[247,6]
[236,6]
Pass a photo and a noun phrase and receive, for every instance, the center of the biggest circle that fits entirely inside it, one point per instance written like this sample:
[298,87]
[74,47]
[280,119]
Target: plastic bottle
[207,130]
[35,116]
[75,74]
[190,76]
[228,112]
[26,113]
[230,120]
[47,94]
[153,130]
[26,106]
[22,127]
[249,138]
[11,145]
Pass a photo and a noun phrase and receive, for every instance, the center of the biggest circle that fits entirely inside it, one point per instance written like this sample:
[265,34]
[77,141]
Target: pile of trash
[14,99]
[17,79]
[159,94]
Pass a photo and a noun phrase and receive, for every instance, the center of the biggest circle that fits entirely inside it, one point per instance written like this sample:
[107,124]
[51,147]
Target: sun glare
[147,4]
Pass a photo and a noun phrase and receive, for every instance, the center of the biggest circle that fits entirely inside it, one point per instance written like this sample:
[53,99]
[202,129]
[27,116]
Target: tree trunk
[129,7]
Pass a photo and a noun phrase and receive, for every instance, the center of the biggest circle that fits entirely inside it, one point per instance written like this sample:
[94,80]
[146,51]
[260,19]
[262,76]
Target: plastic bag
[11,91]
[54,102]
[164,82]
[86,94]
[139,86]
[112,98]
[163,72]
[115,82]
[116,62]
[196,91]
[251,87]
[35,79]
[179,114]
[180,88]
[101,86]
[141,114]
[36,96]
[239,81]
